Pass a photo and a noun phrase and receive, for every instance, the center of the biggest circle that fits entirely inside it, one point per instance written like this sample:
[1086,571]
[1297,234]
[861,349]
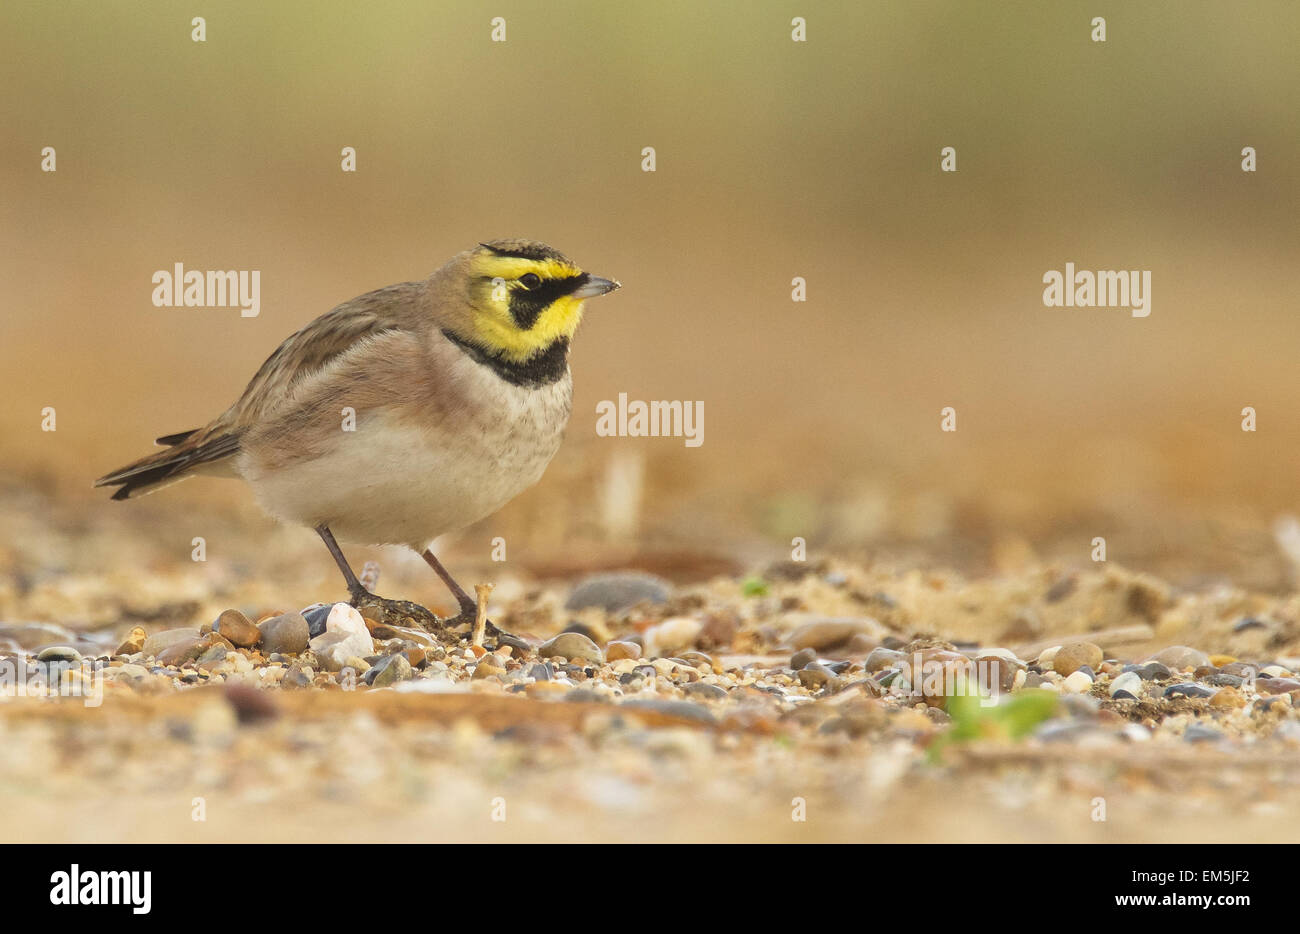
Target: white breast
[397,481]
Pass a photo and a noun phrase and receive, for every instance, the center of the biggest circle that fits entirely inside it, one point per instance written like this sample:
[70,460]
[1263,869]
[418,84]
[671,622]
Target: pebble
[58,653]
[1078,683]
[1153,671]
[178,653]
[1064,731]
[685,709]
[490,665]
[1228,698]
[671,636]
[1072,656]
[1198,733]
[1240,670]
[250,704]
[133,643]
[818,676]
[316,616]
[214,654]
[700,660]
[1080,705]
[707,691]
[548,689]
[1277,685]
[996,671]
[1181,657]
[803,658]
[345,637]
[389,671]
[237,627]
[1222,680]
[828,632]
[882,658]
[618,591]
[571,645]
[1129,681]
[159,641]
[617,650]
[288,634]
[1188,689]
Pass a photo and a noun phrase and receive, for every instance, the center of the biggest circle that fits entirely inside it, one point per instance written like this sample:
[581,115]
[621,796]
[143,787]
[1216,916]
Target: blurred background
[775,159]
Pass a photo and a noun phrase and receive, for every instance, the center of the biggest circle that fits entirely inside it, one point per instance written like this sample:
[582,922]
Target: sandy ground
[726,733]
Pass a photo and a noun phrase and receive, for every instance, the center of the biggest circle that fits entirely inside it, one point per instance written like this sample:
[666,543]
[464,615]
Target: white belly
[395,481]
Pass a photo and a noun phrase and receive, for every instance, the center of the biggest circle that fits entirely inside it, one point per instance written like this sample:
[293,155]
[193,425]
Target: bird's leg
[469,606]
[394,612]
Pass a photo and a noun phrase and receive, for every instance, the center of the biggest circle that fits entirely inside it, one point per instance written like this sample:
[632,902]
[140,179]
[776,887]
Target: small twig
[482,591]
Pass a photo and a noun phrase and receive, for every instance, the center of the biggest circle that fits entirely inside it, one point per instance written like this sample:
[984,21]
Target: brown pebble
[488,666]
[1227,697]
[237,627]
[991,670]
[251,705]
[178,653]
[1072,656]
[1277,685]
[134,642]
[619,650]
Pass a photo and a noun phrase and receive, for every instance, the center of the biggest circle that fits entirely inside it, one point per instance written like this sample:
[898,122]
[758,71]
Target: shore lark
[461,390]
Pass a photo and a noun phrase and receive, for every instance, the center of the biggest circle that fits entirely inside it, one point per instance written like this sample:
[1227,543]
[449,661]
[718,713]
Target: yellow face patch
[498,328]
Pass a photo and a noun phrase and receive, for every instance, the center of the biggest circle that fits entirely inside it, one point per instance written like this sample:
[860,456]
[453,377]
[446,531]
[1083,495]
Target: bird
[404,414]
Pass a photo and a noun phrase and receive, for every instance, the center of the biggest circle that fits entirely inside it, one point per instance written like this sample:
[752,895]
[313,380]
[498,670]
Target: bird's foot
[396,612]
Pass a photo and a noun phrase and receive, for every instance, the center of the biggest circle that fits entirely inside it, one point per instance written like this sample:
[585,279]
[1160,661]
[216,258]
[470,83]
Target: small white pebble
[1078,683]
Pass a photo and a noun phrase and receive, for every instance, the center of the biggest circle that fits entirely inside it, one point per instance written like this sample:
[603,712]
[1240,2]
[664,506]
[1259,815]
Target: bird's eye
[530,280]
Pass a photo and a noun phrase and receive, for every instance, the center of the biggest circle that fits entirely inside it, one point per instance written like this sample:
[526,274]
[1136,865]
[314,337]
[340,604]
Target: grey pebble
[316,615]
[1188,689]
[618,591]
[1222,680]
[684,709]
[58,653]
[707,691]
[803,658]
[388,671]
[1196,733]
[817,676]
[288,634]
[1153,671]
[571,645]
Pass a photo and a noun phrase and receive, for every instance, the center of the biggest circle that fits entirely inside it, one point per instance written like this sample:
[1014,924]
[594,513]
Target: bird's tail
[186,451]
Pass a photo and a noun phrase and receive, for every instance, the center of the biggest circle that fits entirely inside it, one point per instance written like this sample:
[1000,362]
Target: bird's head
[519,297]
